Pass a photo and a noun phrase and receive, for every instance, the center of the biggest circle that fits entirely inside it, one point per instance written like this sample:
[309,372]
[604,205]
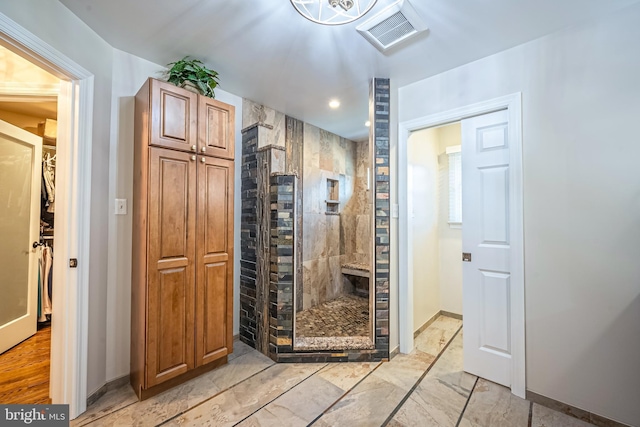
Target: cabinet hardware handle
[193,157]
[203,149]
[193,148]
[203,160]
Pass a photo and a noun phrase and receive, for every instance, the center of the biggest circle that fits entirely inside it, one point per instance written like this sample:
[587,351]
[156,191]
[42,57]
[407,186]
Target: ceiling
[265,51]
[38,109]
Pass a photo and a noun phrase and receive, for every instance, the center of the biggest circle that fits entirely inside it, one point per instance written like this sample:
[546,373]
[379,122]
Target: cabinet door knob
[193,158]
[203,160]
[193,148]
[203,149]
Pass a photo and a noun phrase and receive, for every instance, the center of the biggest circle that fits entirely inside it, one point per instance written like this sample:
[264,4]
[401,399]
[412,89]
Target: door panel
[215,297]
[485,225]
[214,260]
[495,201]
[20,172]
[171,306]
[494,332]
[172,294]
[216,128]
[174,115]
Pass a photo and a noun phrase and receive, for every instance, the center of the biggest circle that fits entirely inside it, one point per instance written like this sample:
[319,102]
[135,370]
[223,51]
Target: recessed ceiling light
[367,123]
[334,103]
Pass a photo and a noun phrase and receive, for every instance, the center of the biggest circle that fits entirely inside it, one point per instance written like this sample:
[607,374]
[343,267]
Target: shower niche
[314,280]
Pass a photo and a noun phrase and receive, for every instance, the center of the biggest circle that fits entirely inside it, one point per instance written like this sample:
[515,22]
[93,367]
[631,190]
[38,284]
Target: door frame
[513,104]
[69,328]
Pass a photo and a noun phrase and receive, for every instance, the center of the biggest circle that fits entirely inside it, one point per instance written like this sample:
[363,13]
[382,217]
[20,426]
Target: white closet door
[485,237]
[20,172]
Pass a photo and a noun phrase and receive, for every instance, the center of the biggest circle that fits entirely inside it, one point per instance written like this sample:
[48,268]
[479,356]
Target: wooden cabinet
[173,116]
[215,128]
[182,267]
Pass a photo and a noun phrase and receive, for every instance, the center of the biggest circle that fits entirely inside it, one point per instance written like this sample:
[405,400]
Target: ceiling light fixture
[333,12]
[334,103]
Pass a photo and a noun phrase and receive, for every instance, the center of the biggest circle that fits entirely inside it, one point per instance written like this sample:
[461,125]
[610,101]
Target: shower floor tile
[345,316]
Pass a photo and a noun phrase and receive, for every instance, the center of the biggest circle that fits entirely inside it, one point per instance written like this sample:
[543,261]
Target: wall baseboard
[426,324]
[450,314]
[393,353]
[111,385]
[572,411]
[435,316]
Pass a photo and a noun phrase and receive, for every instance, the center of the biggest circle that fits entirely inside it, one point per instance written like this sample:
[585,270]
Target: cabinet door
[215,128]
[214,255]
[171,275]
[174,117]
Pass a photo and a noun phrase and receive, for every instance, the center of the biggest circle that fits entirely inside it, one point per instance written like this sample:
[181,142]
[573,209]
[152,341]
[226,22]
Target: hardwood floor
[24,370]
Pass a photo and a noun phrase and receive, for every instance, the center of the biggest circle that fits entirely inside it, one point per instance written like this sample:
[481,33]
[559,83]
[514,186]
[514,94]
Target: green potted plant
[192,72]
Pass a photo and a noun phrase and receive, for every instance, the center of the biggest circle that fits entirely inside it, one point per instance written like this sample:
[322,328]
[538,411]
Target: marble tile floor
[345,316]
[424,388]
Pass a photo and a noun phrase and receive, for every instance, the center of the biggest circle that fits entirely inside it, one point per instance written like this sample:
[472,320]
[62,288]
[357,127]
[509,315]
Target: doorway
[513,225]
[28,103]
[434,187]
[68,380]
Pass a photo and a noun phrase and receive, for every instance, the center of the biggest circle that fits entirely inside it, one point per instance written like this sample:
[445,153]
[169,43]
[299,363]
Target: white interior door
[485,223]
[20,172]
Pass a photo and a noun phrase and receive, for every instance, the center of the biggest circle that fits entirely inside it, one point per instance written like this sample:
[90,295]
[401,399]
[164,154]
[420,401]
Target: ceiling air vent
[391,26]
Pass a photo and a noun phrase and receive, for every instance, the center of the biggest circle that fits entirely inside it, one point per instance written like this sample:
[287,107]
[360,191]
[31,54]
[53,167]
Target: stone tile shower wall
[380,98]
[280,282]
[333,238]
[248,237]
[282,262]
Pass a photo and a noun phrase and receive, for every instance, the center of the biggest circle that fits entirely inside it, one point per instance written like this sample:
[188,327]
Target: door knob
[193,158]
[193,148]
[203,160]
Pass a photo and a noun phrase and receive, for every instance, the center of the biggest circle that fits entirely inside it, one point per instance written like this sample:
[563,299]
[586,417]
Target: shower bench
[358,274]
[356,269]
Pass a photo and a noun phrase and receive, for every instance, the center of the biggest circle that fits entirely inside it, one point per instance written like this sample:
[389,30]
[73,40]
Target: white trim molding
[513,104]
[73,207]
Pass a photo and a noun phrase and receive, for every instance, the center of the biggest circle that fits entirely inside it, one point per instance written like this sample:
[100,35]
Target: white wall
[56,25]
[129,74]
[581,103]
[423,201]
[449,238]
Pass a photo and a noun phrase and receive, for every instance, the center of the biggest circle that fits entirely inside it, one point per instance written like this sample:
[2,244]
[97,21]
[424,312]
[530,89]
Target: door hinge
[466,256]
[73,262]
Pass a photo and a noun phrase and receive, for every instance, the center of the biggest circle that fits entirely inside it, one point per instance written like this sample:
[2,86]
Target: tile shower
[336,237]
[308,288]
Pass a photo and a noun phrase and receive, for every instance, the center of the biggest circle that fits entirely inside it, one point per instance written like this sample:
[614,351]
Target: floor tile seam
[417,383]
[344,395]
[282,394]
[467,402]
[215,395]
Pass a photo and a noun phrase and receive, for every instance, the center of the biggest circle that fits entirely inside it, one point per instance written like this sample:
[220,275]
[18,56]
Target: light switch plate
[121,206]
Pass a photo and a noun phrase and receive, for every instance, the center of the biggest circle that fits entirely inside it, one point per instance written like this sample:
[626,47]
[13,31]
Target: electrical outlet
[121,206]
